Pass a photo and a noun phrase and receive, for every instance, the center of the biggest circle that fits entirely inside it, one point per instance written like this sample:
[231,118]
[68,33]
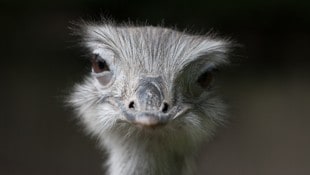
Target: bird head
[149,79]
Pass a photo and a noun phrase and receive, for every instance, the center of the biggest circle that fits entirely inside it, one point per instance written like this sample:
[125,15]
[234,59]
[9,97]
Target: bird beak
[148,107]
[149,121]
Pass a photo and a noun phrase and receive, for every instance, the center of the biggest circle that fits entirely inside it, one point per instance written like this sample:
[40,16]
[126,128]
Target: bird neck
[148,159]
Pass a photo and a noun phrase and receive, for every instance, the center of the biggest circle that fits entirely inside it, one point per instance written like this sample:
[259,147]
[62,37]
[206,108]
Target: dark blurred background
[267,87]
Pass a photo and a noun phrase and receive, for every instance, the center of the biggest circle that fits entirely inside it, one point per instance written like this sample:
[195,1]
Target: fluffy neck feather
[148,157]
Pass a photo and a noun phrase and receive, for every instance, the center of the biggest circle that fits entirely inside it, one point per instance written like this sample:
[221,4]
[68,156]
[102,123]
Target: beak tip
[148,122]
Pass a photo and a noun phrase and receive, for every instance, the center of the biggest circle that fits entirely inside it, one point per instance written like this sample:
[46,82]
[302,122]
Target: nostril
[131,105]
[165,108]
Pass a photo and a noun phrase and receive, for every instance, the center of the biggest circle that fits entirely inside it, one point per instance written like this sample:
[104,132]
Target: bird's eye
[205,79]
[98,64]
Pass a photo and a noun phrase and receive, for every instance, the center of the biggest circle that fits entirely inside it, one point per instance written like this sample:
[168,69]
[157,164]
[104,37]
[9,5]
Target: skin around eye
[105,79]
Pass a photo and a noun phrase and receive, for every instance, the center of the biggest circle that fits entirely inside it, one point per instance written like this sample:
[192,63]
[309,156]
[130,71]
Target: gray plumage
[149,97]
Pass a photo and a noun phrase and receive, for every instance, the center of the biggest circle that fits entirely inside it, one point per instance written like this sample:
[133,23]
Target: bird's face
[149,79]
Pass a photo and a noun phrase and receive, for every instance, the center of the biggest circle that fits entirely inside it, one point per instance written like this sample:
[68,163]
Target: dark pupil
[99,65]
[205,79]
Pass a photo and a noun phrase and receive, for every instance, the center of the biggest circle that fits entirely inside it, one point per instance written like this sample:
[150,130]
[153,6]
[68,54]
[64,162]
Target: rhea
[149,97]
